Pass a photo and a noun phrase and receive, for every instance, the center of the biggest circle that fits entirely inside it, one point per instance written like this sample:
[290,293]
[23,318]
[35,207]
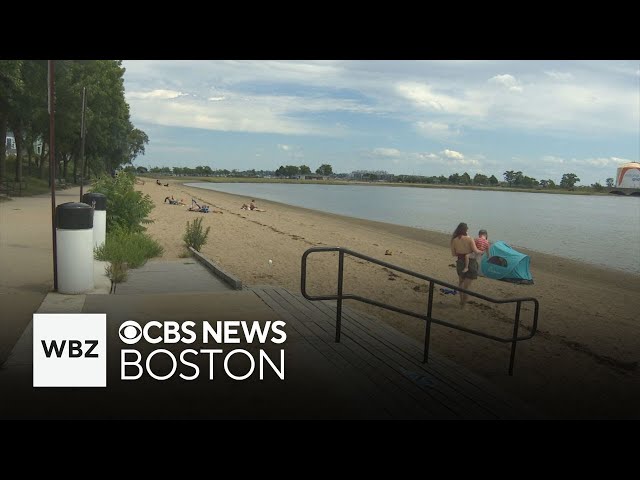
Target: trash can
[99,216]
[74,242]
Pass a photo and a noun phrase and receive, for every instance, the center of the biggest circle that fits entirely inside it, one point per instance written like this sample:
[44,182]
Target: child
[482,244]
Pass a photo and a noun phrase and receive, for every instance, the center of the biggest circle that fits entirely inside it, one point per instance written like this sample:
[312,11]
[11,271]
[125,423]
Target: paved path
[171,276]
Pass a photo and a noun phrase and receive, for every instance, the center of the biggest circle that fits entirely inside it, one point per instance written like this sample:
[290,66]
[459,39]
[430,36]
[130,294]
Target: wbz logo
[69,350]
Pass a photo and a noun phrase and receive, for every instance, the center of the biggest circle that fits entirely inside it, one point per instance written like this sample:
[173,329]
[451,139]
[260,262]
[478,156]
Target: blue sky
[544,118]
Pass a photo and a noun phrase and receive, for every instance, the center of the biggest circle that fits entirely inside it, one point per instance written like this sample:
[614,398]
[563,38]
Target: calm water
[595,229]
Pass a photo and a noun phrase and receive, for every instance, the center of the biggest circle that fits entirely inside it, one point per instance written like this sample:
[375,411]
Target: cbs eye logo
[130,332]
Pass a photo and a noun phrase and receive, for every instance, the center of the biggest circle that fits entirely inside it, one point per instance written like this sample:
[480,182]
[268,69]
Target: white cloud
[436,129]
[156,94]
[385,152]
[600,162]
[552,159]
[258,114]
[286,148]
[216,99]
[562,76]
[452,154]
[507,81]
[426,97]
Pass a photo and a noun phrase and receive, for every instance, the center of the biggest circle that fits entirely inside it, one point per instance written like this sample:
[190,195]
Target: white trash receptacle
[99,216]
[74,246]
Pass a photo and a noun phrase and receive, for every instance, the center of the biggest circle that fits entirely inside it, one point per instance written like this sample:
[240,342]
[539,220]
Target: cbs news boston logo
[69,350]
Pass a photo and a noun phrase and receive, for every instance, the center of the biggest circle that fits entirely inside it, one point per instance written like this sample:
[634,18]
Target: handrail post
[514,340]
[339,305]
[427,333]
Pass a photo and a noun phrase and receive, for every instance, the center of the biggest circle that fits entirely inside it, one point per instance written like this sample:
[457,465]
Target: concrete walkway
[171,276]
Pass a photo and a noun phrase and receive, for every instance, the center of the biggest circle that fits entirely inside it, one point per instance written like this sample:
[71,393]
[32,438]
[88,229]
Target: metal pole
[82,132]
[52,170]
[427,332]
[339,305]
[514,342]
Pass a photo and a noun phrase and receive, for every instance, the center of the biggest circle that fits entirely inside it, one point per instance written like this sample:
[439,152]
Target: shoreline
[545,261]
[558,191]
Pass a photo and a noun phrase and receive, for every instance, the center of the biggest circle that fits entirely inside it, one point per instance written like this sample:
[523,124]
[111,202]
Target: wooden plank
[470,383]
[398,405]
[340,364]
[371,365]
[388,395]
[441,390]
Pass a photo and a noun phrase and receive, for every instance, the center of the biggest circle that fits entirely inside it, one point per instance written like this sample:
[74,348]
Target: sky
[427,117]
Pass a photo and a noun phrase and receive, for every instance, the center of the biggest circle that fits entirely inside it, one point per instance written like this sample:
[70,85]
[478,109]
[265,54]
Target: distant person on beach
[252,206]
[196,207]
[173,201]
[483,245]
[158,182]
[461,245]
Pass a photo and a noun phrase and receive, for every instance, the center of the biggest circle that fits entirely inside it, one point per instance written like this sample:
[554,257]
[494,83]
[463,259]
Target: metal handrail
[429,319]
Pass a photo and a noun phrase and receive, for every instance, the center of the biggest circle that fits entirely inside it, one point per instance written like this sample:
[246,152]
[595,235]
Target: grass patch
[195,236]
[131,248]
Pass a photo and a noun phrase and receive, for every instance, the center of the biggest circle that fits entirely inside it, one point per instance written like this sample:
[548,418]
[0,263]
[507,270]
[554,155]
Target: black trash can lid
[74,216]
[99,198]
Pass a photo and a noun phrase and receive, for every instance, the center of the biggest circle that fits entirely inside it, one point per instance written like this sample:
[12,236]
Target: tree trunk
[29,147]
[65,161]
[3,146]
[43,156]
[17,134]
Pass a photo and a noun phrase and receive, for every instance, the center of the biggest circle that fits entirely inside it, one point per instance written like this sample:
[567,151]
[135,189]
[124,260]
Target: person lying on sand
[252,206]
[196,207]
[173,201]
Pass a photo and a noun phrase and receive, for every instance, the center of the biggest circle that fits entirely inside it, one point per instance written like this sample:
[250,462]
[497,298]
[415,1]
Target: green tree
[609,182]
[465,178]
[137,140]
[291,170]
[569,180]
[454,178]
[509,176]
[11,85]
[529,182]
[127,208]
[480,179]
[324,169]
[493,180]
[304,170]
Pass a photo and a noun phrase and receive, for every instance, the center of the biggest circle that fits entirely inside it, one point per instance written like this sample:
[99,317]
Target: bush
[194,236]
[132,248]
[127,208]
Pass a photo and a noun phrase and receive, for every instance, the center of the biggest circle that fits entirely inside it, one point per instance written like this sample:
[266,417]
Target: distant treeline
[512,179]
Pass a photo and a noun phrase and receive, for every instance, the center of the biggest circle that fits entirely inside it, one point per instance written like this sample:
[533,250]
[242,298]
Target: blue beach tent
[505,263]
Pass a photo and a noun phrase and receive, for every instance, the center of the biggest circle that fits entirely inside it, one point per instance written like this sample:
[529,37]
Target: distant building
[10,142]
[628,175]
[312,177]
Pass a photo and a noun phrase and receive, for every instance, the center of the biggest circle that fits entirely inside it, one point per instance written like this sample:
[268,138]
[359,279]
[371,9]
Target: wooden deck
[386,365]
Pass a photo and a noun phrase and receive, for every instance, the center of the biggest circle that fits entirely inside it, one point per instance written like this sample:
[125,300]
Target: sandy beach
[583,362]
